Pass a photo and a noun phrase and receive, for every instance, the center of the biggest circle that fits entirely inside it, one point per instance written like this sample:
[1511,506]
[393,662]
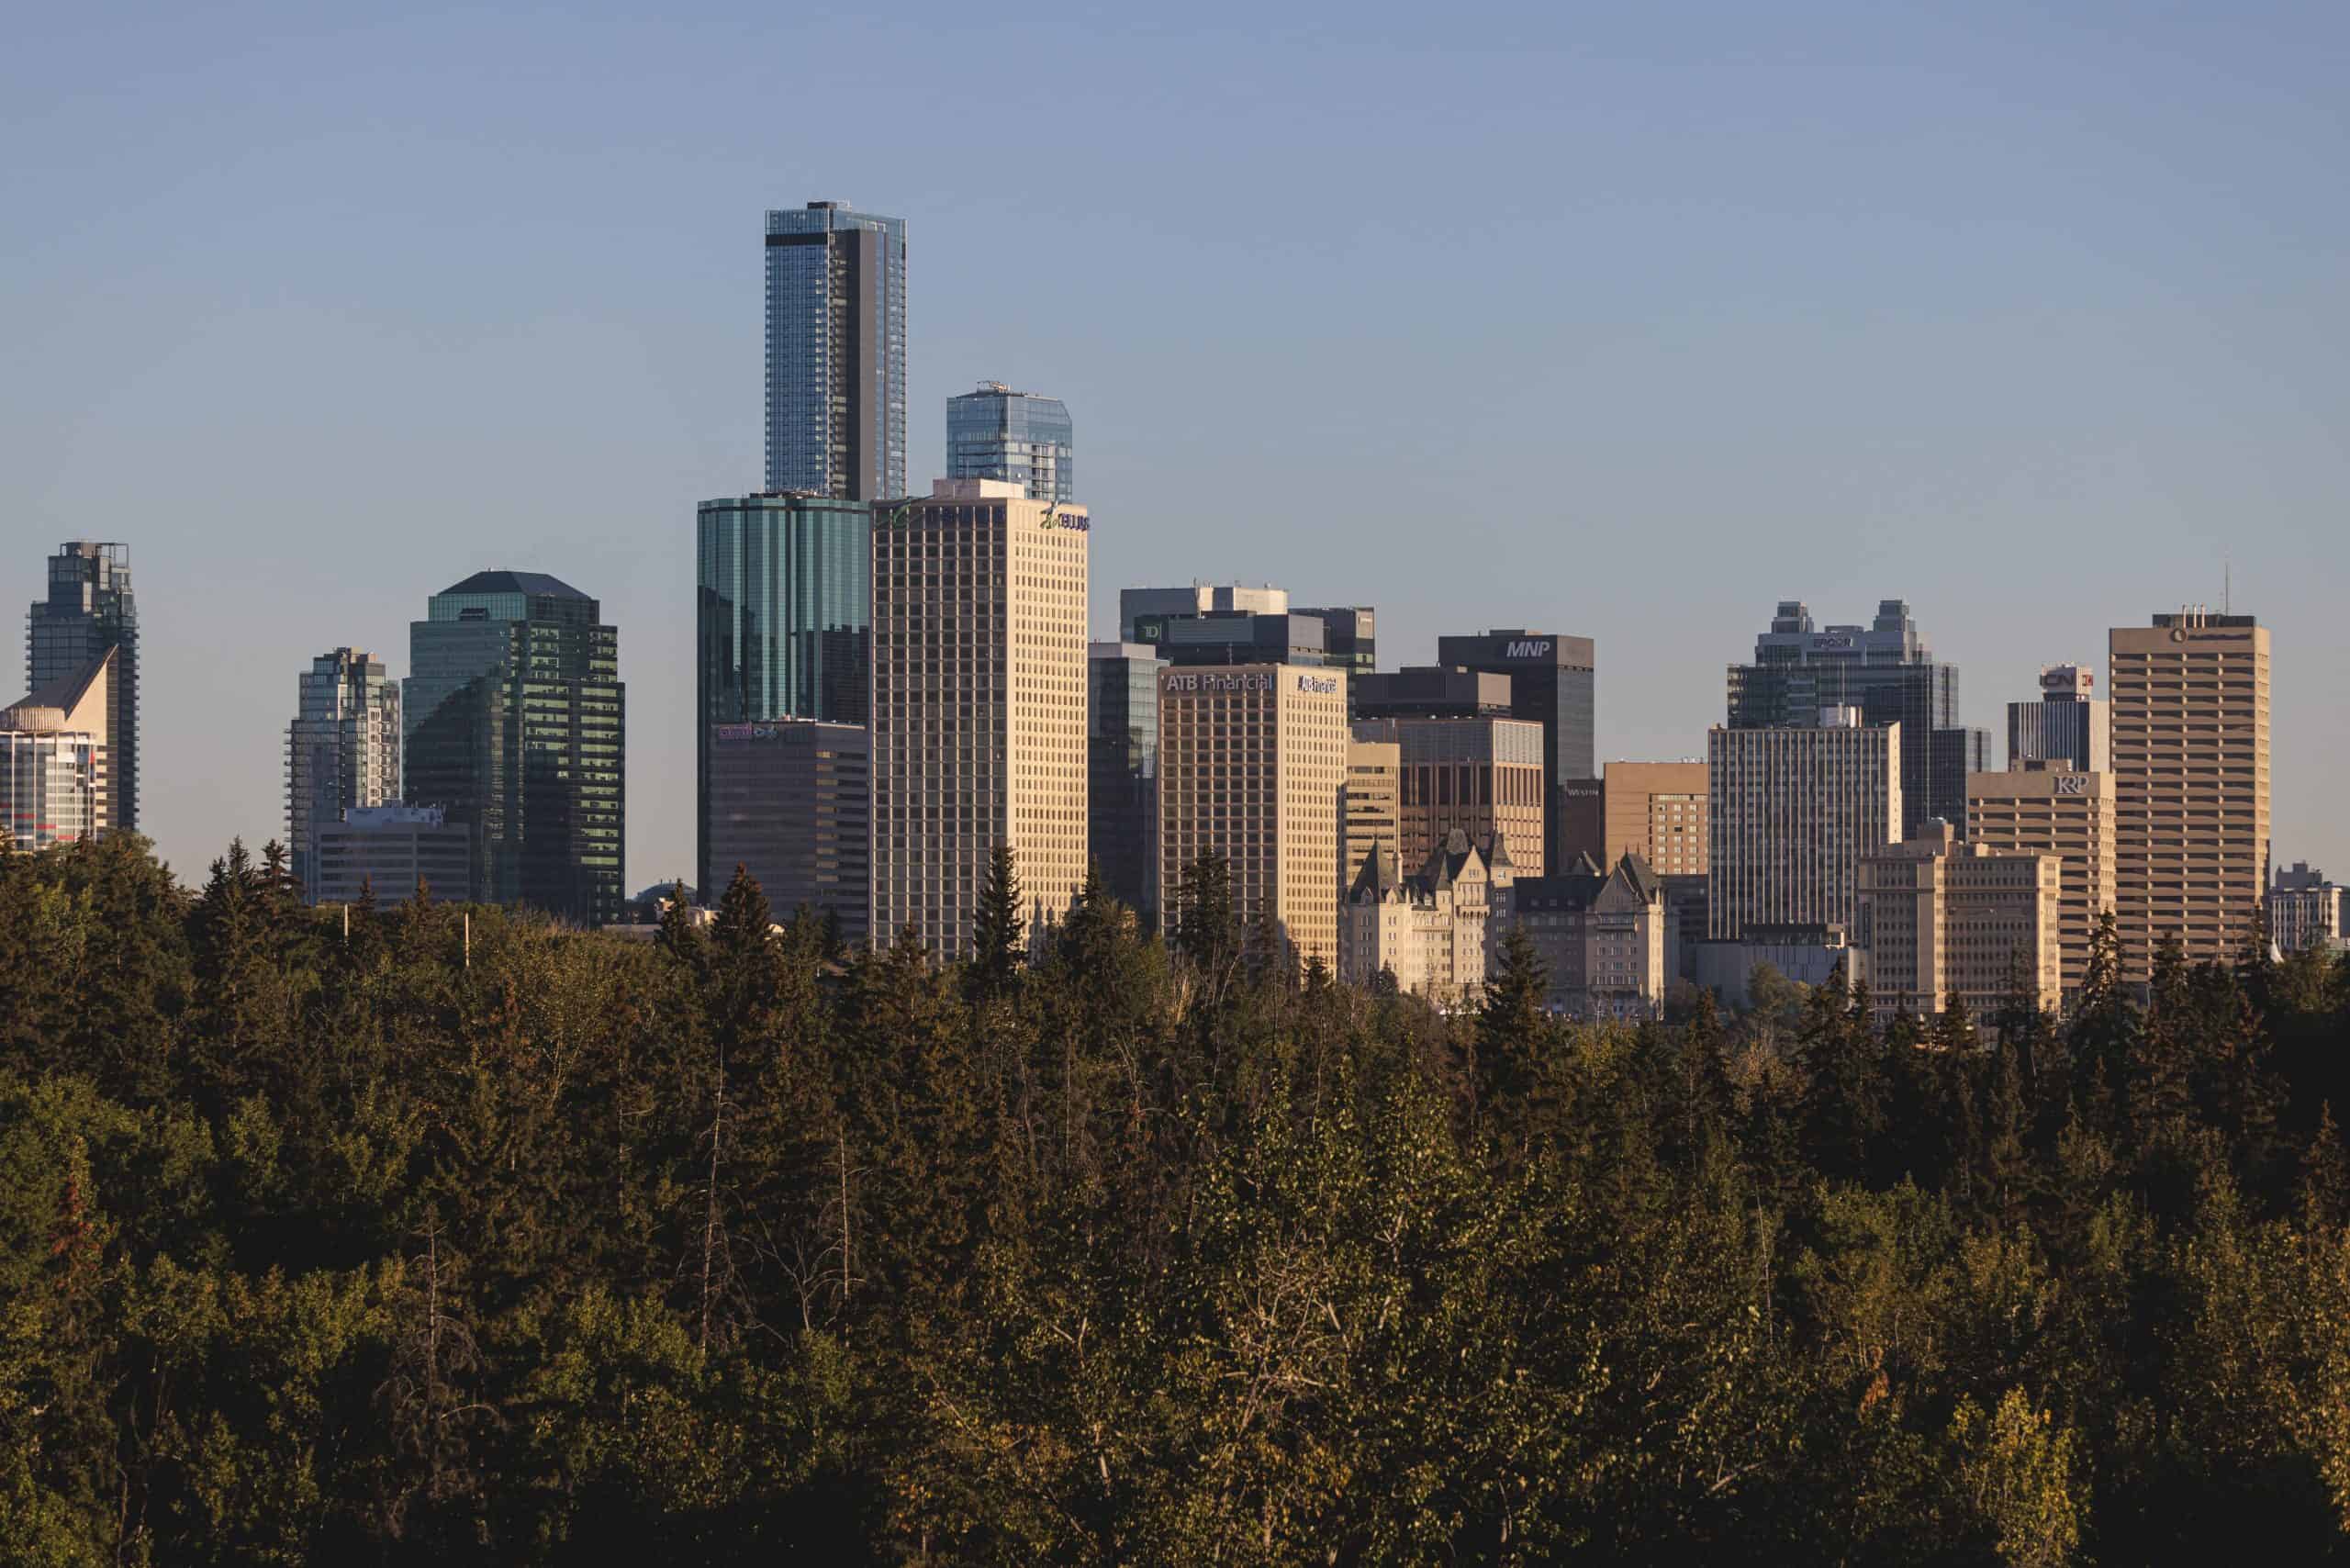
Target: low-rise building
[387,851]
[1603,937]
[1427,929]
[1940,918]
[2305,909]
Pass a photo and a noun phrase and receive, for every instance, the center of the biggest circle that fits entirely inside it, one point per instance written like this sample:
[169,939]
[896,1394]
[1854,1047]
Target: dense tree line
[319,1246]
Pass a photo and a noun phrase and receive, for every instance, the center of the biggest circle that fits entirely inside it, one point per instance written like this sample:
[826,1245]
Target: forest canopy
[457,1237]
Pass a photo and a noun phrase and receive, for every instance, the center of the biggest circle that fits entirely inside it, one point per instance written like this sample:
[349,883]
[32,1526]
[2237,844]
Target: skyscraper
[1122,771]
[1939,917]
[2190,773]
[513,722]
[1886,670]
[1135,605]
[997,434]
[790,803]
[1479,776]
[979,707]
[342,750]
[1553,681]
[1792,811]
[2039,807]
[90,610]
[784,626]
[1657,811]
[836,353]
[2069,723]
[1252,767]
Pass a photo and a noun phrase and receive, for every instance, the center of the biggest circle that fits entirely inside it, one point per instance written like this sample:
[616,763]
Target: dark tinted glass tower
[1886,670]
[836,352]
[997,434]
[513,722]
[1553,681]
[784,624]
[1122,771]
[89,609]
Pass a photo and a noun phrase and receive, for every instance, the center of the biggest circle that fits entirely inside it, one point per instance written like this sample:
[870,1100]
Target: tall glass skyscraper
[89,609]
[997,434]
[784,617]
[514,719]
[1122,771]
[836,353]
[342,750]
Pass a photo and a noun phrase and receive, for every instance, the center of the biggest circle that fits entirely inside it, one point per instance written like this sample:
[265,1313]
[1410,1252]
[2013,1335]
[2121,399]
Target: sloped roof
[1377,874]
[535,583]
[81,697]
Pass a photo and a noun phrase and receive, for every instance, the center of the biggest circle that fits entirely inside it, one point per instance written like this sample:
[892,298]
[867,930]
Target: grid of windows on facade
[1019,437]
[48,783]
[836,352]
[514,719]
[979,706]
[90,609]
[343,749]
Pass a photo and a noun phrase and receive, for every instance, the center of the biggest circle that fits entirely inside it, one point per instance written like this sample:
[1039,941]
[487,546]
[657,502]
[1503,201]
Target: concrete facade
[978,706]
[1482,777]
[1252,765]
[1938,918]
[2036,808]
[1791,814]
[1657,811]
[1603,936]
[2191,783]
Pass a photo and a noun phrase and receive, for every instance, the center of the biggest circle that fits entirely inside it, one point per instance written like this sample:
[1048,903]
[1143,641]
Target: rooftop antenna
[2227,585]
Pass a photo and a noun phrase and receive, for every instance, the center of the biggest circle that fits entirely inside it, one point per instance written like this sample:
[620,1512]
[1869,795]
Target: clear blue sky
[1622,321]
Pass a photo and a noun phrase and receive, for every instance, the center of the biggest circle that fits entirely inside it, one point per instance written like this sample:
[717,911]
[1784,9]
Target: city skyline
[2083,383]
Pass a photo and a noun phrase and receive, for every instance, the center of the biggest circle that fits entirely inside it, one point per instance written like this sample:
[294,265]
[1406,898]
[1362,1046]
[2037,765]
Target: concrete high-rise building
[2070,722]
[2039,808]
[1427,929]
[1791,813]
[836,353]
[1122,772]
[55,763]
[1374,816]
[1482,777]
[1136,604]
[387,851]
[1942,918]
[1884,669]
[1553,681]
[1252,765]
[784,626]
[1657,811]
[979,707]
[997,434]
[513,722]
[790,803]
[1605,937]
[2305,909]
[90,610]
[2190,773]
[342,750]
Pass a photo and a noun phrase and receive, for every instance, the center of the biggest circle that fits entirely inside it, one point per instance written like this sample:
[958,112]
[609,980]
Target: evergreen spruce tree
[1513,1033]
[998,931]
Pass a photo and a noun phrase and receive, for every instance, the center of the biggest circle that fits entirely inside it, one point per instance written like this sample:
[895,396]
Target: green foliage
[739,1248]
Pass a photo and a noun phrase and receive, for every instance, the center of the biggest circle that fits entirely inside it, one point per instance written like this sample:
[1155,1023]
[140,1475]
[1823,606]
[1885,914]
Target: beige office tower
[978,706]
[2049,809]
[1657,811]
[2190,784]
[1252,765]
[1482,775]
[1373,805]
[1791,814]
[1940,918]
